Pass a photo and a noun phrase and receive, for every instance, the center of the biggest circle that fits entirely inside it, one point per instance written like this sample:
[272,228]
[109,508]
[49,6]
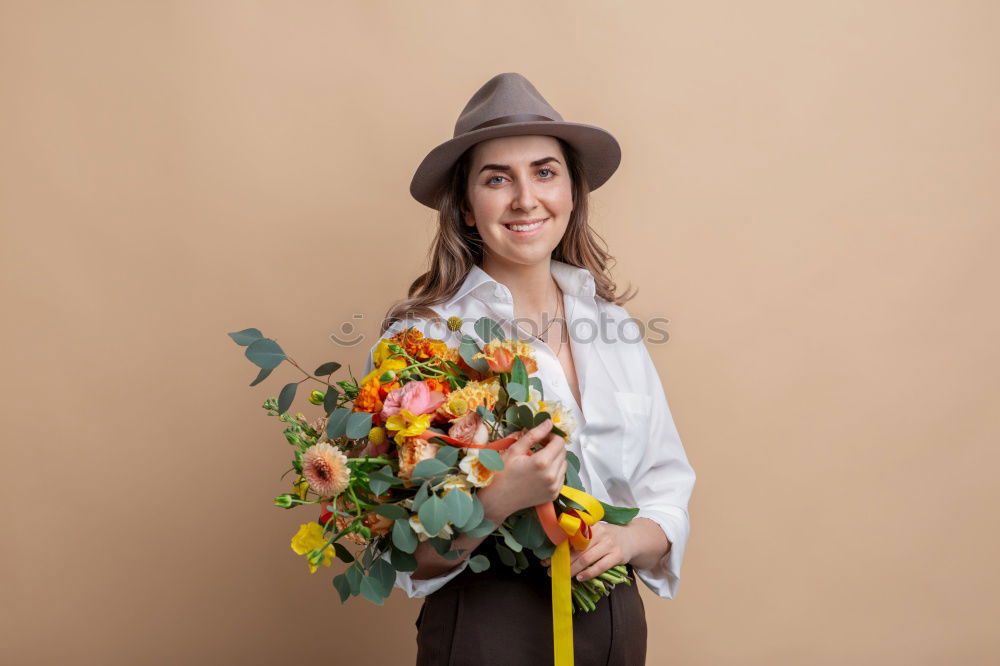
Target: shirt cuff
[664,577]
[417,588]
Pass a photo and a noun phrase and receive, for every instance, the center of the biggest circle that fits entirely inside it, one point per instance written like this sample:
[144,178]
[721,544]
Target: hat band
[515,118]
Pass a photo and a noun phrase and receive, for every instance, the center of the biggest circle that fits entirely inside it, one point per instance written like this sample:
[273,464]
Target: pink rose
[470,429]
[415,397]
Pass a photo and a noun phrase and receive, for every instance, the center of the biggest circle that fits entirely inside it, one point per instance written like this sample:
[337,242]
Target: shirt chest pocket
[635,410]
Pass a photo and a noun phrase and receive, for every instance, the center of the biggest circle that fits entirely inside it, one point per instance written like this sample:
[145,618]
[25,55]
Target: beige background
[808,193]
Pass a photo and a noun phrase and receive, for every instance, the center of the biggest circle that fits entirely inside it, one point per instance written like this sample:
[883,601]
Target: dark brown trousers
[499,617]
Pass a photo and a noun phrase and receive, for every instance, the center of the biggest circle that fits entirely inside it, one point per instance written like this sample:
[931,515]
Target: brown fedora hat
[508,105]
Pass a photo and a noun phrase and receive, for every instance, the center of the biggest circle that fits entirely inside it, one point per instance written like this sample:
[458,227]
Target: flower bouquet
[397,458]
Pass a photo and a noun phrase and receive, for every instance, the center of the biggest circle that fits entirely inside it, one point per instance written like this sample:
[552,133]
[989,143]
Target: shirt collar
[571,279]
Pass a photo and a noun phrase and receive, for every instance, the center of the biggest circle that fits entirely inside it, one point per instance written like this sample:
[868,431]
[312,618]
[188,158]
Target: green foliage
[403,536]
[246,336]
[327,369]
[469,348]
[433,514]
[487,330]
[358,424]
[490,459]
[479,563]
[459,505]
[392,511]
[448,455]
[429,469]
[286,396]
[261,376]
[265,353]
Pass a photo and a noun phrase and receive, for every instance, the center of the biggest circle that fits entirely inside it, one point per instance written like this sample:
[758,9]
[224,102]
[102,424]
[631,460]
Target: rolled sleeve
[661,483]
[416,588]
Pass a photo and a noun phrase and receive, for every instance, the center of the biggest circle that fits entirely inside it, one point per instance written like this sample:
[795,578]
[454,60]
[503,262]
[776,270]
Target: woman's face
[514,181]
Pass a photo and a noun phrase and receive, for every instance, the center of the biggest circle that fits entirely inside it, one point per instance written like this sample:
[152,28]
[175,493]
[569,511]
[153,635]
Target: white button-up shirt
[629,449]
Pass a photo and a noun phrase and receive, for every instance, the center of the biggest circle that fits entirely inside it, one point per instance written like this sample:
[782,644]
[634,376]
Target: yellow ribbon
[569,532]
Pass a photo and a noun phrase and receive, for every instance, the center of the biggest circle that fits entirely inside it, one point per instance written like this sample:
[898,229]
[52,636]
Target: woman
[514,244]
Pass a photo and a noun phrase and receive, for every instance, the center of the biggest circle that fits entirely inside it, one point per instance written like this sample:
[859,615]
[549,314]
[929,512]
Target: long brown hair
[457,246]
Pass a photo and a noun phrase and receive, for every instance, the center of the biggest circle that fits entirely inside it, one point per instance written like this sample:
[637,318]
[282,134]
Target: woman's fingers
[598,567]
[529,438]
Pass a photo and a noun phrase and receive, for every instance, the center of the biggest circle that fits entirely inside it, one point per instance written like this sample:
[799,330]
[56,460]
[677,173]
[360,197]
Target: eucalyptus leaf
[265,353]
[343,554]
[261,376]
[488,330]
[286,397]
[509,539]
[327,369]
[522,561]
[448,455]
[385,574]
[402,560]
[490,459]
[423,492]
[358,424]
[486,414]
[354,577]
[336,424]
[479,563]
[426,469]
[469,348]
[525,416]
[517,391]
[618,515]
[391,511]
[482,529]
[528,530]
[378,483]
[441,545]
[572,460]
[403,536]
[537,383]
[343,587]
[433,514]
[506,554]
[518,374]
[573,477]
[475,517]
[545,550]
[459,505]
[330,400]
[246,336]
[371,589]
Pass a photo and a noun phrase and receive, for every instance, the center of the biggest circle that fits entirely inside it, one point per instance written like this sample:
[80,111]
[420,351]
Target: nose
[524,196]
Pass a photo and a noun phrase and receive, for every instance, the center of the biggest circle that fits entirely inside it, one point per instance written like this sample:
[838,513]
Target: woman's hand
[527,479]
[610,545]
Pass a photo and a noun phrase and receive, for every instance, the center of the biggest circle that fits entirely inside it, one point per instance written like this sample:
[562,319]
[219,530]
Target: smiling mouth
[526,226]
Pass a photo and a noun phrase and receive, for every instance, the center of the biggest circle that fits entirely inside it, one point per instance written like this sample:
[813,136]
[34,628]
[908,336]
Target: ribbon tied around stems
[570,528]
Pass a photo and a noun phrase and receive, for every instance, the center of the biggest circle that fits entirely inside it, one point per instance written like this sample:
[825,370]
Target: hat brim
[599,153]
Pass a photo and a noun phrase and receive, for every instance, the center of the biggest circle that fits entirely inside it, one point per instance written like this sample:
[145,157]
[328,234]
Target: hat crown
[506,98]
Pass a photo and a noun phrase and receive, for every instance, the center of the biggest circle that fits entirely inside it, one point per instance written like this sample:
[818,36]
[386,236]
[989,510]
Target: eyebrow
[506,167]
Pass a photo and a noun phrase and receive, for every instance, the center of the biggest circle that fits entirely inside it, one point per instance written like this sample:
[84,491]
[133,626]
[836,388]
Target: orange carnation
[369,399]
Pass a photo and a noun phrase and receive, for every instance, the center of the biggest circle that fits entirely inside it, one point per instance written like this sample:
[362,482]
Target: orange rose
[413,450]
